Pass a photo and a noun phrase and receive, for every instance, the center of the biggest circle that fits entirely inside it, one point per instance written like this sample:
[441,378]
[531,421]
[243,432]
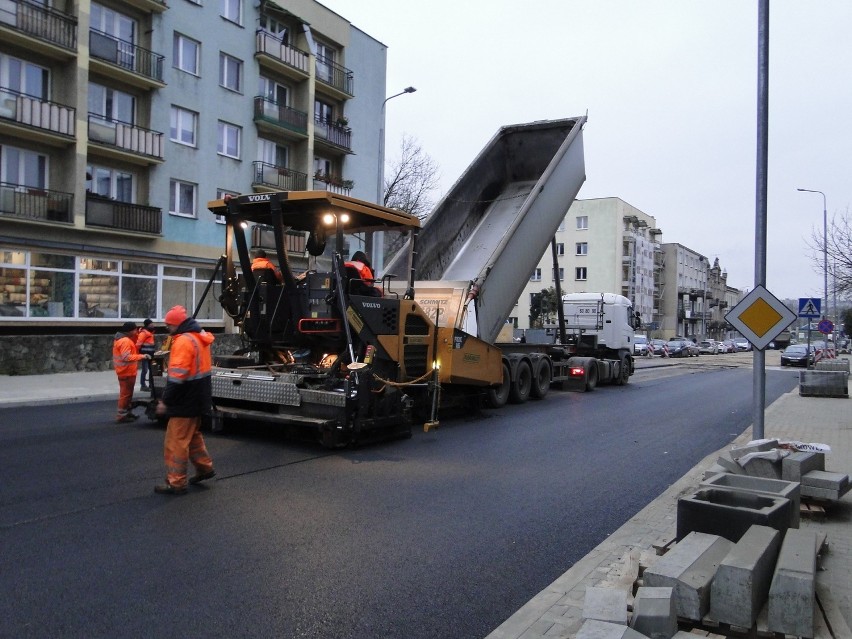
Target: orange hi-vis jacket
[262,263]
[125,356]
[188,387]
[145,338]
[363,270]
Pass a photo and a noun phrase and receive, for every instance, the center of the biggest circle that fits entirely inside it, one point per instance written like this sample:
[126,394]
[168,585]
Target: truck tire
[497,396]
[519,392]
[592,376]
[541,379]
[623,370]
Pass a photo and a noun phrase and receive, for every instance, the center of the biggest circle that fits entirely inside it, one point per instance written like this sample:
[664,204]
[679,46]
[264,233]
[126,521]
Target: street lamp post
[378,248]
[824,248]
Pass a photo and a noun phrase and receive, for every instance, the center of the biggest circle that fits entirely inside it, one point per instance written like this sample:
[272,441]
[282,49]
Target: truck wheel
[623,371]
[541,379]
[497,396]
[592,376]
[520,389]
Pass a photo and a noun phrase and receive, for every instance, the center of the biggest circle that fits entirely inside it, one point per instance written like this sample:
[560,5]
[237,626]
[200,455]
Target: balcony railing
[333,183]
[278,177]
[41,114]
[126,55]
[281,115]
[40,22]
[29,203]
[336,76]
[278,49]
[124,216]
[333,133]
[127,137]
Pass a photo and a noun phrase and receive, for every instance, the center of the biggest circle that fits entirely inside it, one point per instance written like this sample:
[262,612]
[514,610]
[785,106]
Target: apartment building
[603,245]
[120,119]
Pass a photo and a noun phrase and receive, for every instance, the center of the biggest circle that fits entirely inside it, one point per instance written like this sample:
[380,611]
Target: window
[120,27]
[186,53]
[229,140]
[233,10]
[582,248]
[275,28]
[230,72]
[536,275]
[323,112]
[220,193]
[183,126]
[24,77]
[182,198]
[112,104]
[274,92]
[561,225]
[561,274]
[560,249]
[271,153]
[325,62]
[111,183]
[582,222]
[580,273]
[21,167]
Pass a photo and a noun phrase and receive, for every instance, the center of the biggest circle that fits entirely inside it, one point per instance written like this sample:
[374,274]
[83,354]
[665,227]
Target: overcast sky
[670,87]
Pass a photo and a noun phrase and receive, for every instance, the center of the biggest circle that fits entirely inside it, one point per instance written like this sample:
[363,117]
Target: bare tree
[838,253]
[411,180]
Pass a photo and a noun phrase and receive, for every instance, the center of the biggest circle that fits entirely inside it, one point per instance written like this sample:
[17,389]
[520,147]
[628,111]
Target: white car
[640,345]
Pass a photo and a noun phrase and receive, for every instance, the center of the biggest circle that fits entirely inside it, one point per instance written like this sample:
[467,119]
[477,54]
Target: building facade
[603,245]
[121,119]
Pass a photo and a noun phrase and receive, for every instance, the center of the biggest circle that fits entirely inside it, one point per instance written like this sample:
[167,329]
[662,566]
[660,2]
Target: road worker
[186,399]
[124,358]
[145,344]
[262,262]
[361,263]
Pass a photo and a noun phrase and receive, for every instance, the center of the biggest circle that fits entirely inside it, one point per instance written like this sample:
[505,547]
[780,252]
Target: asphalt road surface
[443,535]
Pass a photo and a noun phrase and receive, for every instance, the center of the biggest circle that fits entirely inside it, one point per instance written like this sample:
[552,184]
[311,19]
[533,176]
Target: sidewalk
[61,388]
[557,611]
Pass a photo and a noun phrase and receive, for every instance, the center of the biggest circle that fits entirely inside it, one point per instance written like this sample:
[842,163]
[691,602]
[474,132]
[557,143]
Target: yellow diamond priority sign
[760,317]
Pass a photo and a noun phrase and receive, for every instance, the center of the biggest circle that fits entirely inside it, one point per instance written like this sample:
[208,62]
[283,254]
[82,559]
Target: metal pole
[759,357]
[824,250]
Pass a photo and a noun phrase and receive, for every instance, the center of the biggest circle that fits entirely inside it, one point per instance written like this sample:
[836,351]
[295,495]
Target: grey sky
[670,87]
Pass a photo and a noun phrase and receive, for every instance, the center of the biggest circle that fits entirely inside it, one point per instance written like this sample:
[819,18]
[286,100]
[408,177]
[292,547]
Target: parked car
[640,345]
[742,344]
[681,348]
[797,355]
[721,347]
[708,347]
[730,347]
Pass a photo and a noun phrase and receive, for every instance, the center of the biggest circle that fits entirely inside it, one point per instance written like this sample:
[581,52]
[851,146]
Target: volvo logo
[260,198]
[371,305]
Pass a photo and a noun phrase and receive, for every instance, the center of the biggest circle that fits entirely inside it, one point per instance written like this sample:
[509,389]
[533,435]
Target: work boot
[145,388]
[168,489]
[130,417]
[199,477]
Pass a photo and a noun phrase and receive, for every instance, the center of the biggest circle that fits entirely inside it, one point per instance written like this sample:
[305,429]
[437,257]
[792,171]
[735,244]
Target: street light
[824,248]
[378,249]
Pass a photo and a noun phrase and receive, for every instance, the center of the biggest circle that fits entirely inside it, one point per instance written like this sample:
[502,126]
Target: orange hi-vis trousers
[125,395]
[184,444]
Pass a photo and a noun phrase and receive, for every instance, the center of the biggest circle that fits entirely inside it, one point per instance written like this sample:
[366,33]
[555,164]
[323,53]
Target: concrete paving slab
[792,595]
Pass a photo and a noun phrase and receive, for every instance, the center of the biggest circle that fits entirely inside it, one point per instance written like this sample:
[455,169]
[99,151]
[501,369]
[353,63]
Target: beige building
[603,245]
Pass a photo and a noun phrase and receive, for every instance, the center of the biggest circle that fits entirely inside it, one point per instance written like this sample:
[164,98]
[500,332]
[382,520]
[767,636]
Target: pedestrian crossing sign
[810,307]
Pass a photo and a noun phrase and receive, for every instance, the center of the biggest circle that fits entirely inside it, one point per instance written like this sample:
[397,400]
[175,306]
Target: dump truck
[344,360]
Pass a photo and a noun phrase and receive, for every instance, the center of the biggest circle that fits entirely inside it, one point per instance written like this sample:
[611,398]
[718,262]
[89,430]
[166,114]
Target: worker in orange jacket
[262,262]
[145,344]
[124,358]
[187,398]
[366,285]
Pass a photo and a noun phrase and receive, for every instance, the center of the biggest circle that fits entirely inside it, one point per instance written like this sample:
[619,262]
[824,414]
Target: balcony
[136,66]
[122,216]
[121,140]
[332,136]
[36,119]
[281,119]
[338,80]
[154,6]
[276,54]
[35,205]
[39,28]
[333,183]
[279,178]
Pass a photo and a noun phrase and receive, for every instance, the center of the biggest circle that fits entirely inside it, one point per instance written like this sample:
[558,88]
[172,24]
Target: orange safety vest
[261,263]
[187,359]
[363,271]
[145,338]
[125,356]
